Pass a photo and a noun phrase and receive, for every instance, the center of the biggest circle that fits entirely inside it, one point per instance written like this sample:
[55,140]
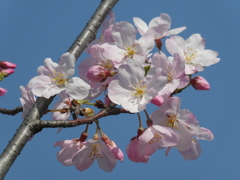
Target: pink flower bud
[7,72]
[157,100]
[2,91]
[115,150]
[97,74]
[199,83]
[107,100]
[6,65]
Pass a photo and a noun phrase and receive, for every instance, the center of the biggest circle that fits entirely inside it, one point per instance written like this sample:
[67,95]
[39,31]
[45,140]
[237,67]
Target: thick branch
[89,32]
[11,111]
[31,124]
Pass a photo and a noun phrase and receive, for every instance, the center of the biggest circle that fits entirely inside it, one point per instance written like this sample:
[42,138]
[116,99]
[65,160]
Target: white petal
[66,65]
[124,34]
[77,88]
[174,31]
[131,72]
[140,24]
[207,58]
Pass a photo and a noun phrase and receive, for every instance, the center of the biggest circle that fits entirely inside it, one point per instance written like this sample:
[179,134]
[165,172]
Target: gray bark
[32,123]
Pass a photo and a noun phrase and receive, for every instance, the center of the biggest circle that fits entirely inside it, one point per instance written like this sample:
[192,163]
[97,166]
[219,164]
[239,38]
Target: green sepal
[146,68]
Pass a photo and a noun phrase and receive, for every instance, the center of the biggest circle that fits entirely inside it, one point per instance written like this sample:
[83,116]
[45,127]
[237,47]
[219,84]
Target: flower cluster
[130,75]
[6,68]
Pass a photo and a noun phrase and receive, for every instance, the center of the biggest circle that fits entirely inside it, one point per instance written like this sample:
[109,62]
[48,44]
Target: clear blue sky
[30,31]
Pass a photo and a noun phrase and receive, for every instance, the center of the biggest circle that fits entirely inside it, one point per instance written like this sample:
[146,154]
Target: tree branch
[31,124]
[89,32]
[11,111]
[74,123]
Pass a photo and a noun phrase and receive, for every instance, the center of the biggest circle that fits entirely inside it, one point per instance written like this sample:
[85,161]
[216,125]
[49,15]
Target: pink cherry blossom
[134,153]
[156,137]
[27,100]
[193,152]
[107,28]
[199,83]
[64,104]
[182,122]
[132,90]
[158,27]
[55,78]
[2,91]
[193,51]
[91,150]
[97,60]
[68,150]
[126,46]
[174,67]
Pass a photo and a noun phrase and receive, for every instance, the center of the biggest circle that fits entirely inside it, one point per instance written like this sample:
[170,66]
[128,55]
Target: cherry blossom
[91,150]
[126,46]
[89,69]
[68,150]
[132,90]
[158,28]
[174,67]
[193,51]
[64,105]
[156,137]
[55,78]
[183,123]
[134,153]
[27,100]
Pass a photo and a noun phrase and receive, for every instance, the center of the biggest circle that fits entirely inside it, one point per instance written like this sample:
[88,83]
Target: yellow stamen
[58,78]
[190,55]
[172,122]
[94,152]
[155,138]
[139,89]
[130,51]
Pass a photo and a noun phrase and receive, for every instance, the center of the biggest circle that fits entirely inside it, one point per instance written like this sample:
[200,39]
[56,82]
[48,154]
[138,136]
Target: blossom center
[107,64]
[139,89]
[172,122]
[58,78]
[189,55]
[155,138]
[169,74]
[130,51]
[95,153]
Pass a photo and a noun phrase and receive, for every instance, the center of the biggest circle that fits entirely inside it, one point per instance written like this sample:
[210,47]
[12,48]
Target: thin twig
[11,111]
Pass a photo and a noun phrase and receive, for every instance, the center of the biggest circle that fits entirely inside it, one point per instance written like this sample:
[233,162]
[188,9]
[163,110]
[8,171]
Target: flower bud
[158,43]
[116,151]
[2,91]
[157,100]
[199,83]
[7,72]
[107,100]
[97,74]
[96,137]
[6,65]
[83,136]
[87,112]
[149,122]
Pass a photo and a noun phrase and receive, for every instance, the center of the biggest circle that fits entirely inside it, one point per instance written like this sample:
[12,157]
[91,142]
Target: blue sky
[34,30]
